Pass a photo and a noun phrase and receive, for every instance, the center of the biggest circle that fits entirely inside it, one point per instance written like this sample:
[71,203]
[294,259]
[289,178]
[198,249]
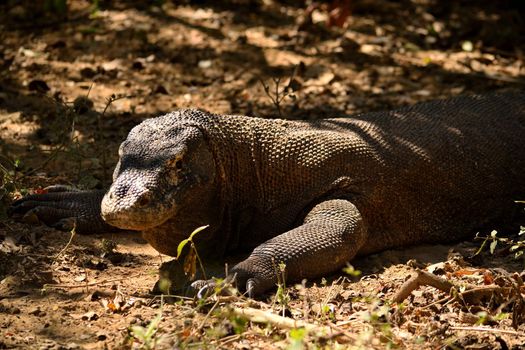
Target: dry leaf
[190,264]
[468,272]
[81,278]
[488,277]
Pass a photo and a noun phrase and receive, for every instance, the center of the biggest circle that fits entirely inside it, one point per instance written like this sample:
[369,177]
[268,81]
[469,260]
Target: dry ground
[58,70]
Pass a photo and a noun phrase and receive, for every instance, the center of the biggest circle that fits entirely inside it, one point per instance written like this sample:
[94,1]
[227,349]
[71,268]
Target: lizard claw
[65,224]
[203,288]
[251,286]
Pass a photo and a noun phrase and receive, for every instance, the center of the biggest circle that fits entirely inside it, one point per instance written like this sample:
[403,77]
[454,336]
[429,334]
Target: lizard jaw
[132,216]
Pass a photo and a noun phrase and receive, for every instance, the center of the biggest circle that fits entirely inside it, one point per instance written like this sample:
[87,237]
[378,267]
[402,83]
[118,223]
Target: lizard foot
[63,208]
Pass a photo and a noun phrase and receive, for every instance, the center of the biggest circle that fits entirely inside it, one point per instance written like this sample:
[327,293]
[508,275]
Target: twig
[101,141]
[261,316]
[72,286]
[447,298]
[478,74]
[328,296]
[518,311]
[226,340]
[52,156]
[64,143]
[486,329]
[472,295]
[340,331]
[199,327]
[476,294]
[154,296]
[73,233]
[422,278]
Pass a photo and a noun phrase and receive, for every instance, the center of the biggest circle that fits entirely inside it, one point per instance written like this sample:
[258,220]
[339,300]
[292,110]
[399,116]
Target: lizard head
[166,171]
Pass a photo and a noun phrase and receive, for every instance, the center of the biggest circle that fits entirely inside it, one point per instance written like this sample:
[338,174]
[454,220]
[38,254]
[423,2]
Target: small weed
[190,262]
[297,339]
[278,94]
[492,238]
[282,297]
[239,324]
[95,7]
[483,318]
[108,246]
[147,336]
[351,271]
[516,246]
[379,318]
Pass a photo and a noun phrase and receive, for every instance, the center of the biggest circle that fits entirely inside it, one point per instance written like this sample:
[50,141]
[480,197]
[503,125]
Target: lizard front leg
[331,235]
[63,208]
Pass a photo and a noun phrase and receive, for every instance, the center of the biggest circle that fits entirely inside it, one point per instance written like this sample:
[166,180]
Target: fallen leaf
[190,264]
[81,278]
[488,277]
[468,272]
[89,316]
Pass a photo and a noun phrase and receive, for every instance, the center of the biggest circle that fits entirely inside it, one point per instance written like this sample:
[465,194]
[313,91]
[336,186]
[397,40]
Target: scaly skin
[313,194]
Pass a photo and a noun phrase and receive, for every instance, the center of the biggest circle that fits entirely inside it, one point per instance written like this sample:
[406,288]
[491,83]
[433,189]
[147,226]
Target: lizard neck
[242,155]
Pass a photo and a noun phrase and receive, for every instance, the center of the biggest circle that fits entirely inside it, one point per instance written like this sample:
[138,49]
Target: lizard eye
[178,164]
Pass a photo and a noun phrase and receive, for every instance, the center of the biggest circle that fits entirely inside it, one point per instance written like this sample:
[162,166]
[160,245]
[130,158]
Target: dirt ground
[73,82]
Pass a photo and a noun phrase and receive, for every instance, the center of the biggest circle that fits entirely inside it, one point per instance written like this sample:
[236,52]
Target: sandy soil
[58,70]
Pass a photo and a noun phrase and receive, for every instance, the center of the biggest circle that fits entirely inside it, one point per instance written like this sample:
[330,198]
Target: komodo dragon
[311,194]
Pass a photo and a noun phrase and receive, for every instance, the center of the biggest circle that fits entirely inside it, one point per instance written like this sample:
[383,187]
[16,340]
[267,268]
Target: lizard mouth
[137,217]
[130,221]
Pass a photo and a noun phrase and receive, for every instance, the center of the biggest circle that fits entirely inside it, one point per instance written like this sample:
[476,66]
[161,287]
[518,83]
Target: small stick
[473,295]
[261,316]
[73,234]
[437,302]
[227,339]
[422,278]
[476,294]
[72,286]
[486,329]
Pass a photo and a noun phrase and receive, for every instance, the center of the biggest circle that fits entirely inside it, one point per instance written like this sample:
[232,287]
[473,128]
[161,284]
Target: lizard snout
[128,207]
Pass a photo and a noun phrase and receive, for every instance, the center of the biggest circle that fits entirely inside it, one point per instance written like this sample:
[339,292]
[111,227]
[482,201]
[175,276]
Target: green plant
[282,296]
[95,6]
[239,324]
[190,262]
[351,271]
[516,246]
[297,339]
[492,238]
[147,336]
[378,317]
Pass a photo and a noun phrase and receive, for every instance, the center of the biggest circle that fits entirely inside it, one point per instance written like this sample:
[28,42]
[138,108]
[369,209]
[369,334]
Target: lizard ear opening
[176,163]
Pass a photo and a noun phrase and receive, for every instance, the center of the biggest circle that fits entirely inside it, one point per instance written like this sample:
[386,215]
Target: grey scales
[310,194]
